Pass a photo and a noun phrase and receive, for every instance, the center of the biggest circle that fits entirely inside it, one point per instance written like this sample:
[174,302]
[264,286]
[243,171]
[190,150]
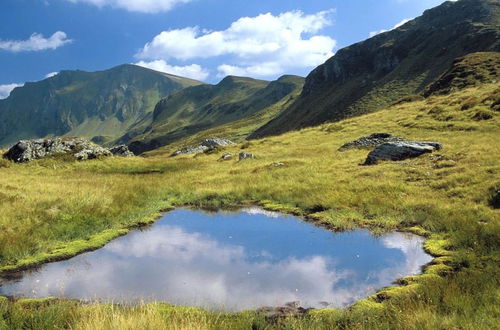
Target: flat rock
[400,151]
[373,140]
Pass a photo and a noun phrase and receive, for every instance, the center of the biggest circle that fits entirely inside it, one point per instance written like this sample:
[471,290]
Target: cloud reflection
[170,264]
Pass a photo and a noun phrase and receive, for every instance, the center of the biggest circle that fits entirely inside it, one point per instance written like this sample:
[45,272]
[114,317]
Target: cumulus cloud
[36,42]
[141,6]
[264,45]
[6,89]
[193,71]
[403,22]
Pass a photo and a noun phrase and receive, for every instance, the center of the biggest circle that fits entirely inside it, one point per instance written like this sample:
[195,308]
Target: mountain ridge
[374,73]
[75,102]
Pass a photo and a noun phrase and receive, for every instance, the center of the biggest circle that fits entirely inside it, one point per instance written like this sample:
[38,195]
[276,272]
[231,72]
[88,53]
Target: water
[230,261]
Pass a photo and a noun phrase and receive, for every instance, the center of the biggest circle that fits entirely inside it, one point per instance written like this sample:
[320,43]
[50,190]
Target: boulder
[208,144]
[400,151]
[246,155]
[121,150]
[82,149]
[93,153]
[189,150]
[226,156]
[373,140]
[216,142]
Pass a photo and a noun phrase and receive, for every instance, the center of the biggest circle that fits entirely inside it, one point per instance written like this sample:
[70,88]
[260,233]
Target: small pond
[230,261]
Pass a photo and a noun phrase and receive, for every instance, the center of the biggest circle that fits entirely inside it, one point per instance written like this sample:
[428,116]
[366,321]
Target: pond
[230,261]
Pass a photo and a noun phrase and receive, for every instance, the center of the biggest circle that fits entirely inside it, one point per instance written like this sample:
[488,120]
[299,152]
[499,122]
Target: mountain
[100,105]
[203,107]
[375,73]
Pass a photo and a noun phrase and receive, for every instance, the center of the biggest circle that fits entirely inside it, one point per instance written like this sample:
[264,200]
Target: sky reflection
[230,261]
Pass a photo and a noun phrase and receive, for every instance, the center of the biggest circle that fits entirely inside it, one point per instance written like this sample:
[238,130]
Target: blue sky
[202,39]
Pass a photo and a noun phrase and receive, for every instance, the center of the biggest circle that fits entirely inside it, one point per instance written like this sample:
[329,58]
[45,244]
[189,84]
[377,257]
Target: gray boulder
[400,151]
[93,153]
[208,144]
[216,142]
[373,140]
[246,155]
[226,156]
[80,148]
[121,150]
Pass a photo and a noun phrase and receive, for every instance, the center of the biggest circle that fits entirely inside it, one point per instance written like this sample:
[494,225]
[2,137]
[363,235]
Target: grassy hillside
[78,103]
[199,108]
[375,73]
[54,208]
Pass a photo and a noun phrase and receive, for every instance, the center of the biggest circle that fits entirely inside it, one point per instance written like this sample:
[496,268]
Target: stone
[121,150]
[226,156]
[93,153]
[82,149]
[206,145]
[400,151]
[216,142]
[189,150]
[278,164]
[246,155]
[373,140]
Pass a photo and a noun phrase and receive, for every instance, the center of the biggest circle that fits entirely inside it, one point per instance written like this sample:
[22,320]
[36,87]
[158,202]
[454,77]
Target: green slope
[199,108]
[103,104]
[375,73]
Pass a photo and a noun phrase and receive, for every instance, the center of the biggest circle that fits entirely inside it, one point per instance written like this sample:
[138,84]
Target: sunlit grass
[54,208]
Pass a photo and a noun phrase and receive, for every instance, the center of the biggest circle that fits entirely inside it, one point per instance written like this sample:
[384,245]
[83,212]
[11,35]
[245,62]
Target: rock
[274,314]
[122,151]
[226,156]
[80,148]
[93,153]
[216,142]
[400,151]
[373,140]
[278,164]
[246,155]
[495,197]
[208,144]
[189,150]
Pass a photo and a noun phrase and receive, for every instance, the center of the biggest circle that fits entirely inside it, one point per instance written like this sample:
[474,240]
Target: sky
[200,39]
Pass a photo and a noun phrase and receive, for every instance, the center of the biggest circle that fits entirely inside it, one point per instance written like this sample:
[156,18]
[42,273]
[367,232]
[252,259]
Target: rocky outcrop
[81,149]
[206,145]
[400,151]
[373,140]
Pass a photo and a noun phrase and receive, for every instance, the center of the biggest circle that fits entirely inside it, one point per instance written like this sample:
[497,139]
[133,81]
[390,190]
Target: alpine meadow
[182,194]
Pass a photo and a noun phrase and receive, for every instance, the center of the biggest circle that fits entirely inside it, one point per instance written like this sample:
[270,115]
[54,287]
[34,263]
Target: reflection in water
[230,261]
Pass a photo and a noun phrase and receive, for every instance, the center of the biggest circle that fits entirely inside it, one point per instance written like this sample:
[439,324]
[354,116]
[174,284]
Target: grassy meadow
[54,208]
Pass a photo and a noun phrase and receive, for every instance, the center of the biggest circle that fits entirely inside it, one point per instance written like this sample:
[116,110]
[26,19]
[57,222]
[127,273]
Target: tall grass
[54,208]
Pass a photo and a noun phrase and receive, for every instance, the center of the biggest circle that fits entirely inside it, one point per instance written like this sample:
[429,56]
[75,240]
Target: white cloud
[51,74]
[193,71]
[36,42]
[264,45]
[403,22]
[6,89]
[141,6]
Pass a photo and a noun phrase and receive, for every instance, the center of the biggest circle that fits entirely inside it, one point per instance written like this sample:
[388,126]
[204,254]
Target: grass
[54,208]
